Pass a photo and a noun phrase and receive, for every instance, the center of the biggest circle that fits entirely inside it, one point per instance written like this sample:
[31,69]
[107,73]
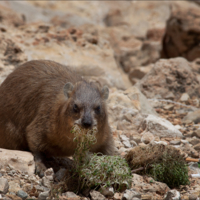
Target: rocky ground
[146,52]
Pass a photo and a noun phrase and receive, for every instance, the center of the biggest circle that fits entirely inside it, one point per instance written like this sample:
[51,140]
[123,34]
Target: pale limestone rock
[140,101]
[117,196]
[14,186]
[172,195]
[130,194]
[70,195]
[43,195]
[184,97]
[19,160]
[138,183]
[4,186]
[125,140]
[160,127]
[107,192]
[147,137]
[96,195]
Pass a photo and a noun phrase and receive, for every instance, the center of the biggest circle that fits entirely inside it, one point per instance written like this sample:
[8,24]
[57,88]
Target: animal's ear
[68,89]
[105,92]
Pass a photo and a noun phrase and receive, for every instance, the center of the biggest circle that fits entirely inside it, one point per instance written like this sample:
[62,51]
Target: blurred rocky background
[147,52]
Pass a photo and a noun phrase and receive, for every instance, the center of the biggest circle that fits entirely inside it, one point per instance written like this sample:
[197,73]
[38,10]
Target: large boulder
[183,32]
[169,79]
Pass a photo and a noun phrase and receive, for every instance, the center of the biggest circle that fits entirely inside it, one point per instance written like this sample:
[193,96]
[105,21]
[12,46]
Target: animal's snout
[87,122]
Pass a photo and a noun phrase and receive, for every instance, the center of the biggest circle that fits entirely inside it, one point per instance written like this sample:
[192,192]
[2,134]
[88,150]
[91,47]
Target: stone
[189,150]
[117,196]
[192,117]
[130,194]
[169,107]
[107,192]
[125,110]
[49,172]
[125,140]
[138,73]
[197,147]
[194,141]
[156,84]
[178,42]
[96,195]
[70,195]
[20,160]
[135,40]
[160,127]
[22,194]
[59,175]
[122,113]
[175,142]
[46,182]
[140,101]
[172,195]
[197,133]
[147,137]
[133,143]
[193,197]
[139,183]
[184,97]
[4,186]
[14,186]
[43,195]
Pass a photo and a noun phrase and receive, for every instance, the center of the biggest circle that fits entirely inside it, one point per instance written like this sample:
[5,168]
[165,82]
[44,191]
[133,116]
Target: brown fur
[37,116]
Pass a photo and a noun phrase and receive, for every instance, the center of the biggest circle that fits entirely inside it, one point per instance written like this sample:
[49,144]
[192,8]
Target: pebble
[22,194]
[43,195]
[14,186]
[70,195]
[175,142]
[197,147]
[194,141]
[96,195]
[147,137]
[130,194]
[184,97]
[172,195]
[4,185]
[193,197]
[46,182]
[133,143]
[49,172]
[107,192]
[125,140]
[117,196]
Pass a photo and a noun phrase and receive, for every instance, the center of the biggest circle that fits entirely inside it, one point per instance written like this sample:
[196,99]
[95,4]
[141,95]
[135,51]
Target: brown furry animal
[40,101]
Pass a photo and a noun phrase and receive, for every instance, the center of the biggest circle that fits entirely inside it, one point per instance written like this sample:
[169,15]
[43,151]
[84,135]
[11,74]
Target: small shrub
[96,169]
[173,172]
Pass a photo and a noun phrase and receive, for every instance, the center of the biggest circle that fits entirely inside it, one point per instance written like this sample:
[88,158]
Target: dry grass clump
[162,162]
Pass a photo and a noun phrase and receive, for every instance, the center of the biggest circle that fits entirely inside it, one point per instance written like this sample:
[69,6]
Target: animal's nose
[87,122]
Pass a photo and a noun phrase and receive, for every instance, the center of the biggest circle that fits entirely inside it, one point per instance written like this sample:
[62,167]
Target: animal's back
[31,88]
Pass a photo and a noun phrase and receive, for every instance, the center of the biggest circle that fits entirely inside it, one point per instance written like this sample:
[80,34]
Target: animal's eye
[97,110]
[75,108]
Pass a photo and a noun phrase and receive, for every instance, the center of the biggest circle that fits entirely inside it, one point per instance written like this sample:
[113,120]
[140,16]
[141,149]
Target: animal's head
[86,103]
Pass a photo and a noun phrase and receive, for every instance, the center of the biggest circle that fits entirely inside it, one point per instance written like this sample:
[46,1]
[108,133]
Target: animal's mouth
[78,129]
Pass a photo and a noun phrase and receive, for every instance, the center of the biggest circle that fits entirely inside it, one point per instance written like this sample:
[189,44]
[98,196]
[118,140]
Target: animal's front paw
[40,168]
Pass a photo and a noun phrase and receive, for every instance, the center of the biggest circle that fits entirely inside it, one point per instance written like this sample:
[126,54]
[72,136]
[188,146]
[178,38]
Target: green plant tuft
[170,171]
[164,163]
[96,169]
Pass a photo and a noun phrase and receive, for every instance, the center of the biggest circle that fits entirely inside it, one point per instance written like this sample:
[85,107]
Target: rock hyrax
[41,100]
